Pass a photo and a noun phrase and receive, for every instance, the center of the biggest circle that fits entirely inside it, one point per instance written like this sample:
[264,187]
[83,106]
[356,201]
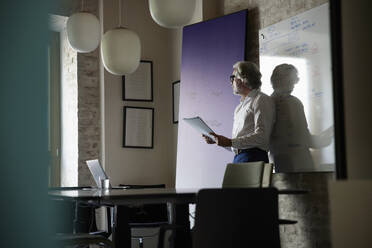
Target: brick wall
[88,106]
[88,113]
[310,210]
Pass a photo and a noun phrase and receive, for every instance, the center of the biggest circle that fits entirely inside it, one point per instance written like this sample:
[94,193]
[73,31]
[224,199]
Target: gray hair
[249,73]
[284,74]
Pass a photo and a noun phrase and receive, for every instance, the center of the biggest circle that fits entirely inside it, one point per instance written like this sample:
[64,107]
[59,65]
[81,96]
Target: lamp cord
[82,6]
[119,13]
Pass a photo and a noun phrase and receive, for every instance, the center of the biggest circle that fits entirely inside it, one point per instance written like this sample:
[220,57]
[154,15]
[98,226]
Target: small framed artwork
[138,86]
[176,100]
[138,128]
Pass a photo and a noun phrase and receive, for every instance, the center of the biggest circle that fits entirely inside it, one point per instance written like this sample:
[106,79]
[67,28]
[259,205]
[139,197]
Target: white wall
[357,40]
[163,47]
[350,206]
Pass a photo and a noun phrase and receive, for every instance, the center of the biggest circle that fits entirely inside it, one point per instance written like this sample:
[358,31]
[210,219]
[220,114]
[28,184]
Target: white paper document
[198,124]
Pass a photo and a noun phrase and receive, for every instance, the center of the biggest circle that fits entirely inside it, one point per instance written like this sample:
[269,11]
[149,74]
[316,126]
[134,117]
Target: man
[253,117]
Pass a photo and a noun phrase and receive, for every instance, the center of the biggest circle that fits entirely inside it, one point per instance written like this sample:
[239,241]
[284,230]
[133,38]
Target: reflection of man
[290,138]
[253,117]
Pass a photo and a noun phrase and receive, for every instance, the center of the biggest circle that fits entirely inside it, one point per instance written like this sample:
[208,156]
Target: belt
[241,151]
[249,150]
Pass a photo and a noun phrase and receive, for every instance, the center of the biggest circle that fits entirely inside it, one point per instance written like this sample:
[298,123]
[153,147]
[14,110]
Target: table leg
[121,231]
[171,210]
[179,214]
[113,219]
[75,221]
[183,239]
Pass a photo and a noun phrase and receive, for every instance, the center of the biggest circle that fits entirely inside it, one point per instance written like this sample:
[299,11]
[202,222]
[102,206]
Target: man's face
[237,84]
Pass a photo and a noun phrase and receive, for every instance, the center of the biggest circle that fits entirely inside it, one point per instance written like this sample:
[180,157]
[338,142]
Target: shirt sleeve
[264,114]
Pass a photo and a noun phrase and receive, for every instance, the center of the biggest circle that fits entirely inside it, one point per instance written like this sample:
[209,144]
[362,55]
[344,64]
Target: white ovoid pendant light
[120,50]
[83,31]
[172,13]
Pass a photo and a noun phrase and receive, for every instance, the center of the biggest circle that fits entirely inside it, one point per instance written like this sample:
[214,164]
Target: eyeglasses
[232,78]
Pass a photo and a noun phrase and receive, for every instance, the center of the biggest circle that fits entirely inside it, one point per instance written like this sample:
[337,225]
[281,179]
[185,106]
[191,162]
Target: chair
[242,175]
[267,175]
[252,174]
[78,225]
[235,217]
[147,216]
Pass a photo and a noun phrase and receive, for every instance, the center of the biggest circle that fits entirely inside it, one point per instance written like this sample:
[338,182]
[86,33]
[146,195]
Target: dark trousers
[251,155]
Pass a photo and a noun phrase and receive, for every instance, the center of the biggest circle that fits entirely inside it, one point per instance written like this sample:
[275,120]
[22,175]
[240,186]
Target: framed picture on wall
[176,100]
[138,127]
[138,86]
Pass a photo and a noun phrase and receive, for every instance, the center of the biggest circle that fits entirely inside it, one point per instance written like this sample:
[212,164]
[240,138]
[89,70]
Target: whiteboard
[208,55]
[304,41]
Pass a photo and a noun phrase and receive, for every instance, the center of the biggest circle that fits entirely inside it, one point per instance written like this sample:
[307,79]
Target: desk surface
[128,196]
[137,196]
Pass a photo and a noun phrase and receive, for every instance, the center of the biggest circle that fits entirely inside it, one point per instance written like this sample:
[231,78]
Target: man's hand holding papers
[208,139]
[221,140]
[207,133]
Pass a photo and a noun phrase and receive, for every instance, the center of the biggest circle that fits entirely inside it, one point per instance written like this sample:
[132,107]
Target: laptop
[99,174]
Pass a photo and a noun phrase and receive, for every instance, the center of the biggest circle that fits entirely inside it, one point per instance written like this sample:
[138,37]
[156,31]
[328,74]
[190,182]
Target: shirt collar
[250,95]
[253,93]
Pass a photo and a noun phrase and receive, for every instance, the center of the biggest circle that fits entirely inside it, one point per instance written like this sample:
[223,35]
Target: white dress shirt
[253,121]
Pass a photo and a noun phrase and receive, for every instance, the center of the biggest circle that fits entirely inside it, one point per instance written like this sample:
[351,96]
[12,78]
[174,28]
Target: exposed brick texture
[310,210]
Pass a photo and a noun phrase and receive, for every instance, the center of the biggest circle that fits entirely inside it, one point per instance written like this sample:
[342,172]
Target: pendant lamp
[83,31]
[120,50]
[172,13]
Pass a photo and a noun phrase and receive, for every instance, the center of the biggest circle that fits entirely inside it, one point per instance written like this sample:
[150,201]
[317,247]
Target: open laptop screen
[99,174]
[97,171]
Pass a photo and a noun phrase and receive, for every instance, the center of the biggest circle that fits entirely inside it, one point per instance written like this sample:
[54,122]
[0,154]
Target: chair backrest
[237,217]
[267,175]
[242,175]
